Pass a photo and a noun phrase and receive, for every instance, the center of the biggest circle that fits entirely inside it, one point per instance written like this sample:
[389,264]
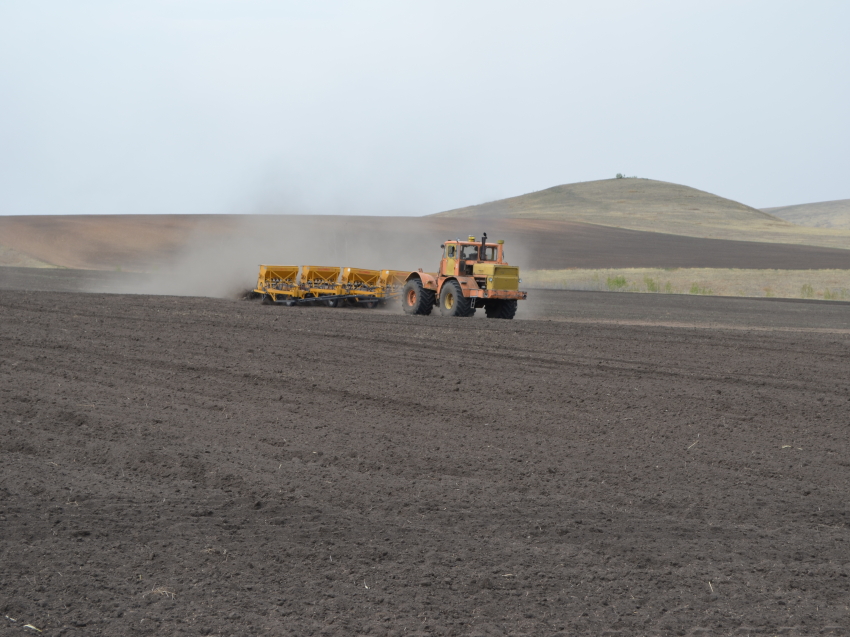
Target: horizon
[427,214]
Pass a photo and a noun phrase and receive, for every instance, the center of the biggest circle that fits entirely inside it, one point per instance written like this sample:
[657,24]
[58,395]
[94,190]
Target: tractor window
[469,252]
[450,251]
[491,253]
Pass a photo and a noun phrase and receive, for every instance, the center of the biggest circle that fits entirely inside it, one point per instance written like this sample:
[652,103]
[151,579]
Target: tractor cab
[460,257]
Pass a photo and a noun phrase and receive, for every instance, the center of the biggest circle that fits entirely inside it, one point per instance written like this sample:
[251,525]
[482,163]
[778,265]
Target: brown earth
[199,466]
[231,246]
[96,242]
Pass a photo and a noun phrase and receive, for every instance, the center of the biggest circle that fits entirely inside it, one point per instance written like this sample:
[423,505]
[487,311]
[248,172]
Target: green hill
[656,206]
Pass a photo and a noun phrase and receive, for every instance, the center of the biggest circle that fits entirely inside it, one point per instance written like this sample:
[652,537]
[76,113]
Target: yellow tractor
[473,274]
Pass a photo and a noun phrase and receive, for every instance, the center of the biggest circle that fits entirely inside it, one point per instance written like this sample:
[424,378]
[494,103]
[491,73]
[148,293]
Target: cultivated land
[627,464]
[654,206]
[824,214]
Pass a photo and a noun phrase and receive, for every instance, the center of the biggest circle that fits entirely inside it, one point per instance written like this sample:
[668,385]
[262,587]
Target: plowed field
[207,467]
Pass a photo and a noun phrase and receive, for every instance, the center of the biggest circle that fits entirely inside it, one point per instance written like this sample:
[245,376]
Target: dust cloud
[219,255]
[222,260]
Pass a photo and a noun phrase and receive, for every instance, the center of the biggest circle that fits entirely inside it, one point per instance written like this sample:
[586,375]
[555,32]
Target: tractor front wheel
[500,308]
[415,299]
[453,302]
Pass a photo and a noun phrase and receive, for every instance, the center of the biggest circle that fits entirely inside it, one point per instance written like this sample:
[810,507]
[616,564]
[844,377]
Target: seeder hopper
[331,286]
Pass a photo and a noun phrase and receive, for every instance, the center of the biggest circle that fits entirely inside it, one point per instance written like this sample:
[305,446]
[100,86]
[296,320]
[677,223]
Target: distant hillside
[11,257]
[103,242]
[824,214]
[655,206]
[214,249]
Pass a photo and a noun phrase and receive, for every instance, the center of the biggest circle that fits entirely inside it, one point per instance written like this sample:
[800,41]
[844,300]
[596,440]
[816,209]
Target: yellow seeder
[332,286]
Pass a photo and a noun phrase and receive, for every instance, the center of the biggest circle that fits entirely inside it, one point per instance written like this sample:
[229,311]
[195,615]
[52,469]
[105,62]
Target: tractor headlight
[490,279]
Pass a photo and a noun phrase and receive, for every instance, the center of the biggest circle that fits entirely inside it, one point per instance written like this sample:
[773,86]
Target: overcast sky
[408,108]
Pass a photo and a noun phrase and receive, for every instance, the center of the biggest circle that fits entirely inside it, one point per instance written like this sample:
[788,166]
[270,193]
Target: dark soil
[207,467]
[554,245]
[68,280]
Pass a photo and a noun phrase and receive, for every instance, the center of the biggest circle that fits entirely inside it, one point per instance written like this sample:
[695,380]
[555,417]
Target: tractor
[473,274]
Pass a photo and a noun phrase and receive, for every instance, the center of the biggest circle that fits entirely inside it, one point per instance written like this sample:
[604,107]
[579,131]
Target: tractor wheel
[500,308]
[453,302]
[415,299]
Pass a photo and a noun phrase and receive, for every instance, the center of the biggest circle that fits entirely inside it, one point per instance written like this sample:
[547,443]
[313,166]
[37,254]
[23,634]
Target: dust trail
[221,259]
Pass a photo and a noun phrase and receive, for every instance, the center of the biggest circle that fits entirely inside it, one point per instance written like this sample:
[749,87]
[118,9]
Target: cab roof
[472,243]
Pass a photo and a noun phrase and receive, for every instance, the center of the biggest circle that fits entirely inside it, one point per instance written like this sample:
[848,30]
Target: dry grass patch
[830,285]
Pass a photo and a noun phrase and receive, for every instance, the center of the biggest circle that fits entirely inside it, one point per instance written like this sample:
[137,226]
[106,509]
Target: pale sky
[409,108]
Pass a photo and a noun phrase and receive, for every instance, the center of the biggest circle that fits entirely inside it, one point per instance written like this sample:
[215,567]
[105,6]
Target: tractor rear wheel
[415,299]
[500,308]
[453,302]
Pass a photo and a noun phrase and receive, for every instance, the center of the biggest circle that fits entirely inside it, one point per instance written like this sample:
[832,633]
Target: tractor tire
[500,309]
[453,302]
[415,299]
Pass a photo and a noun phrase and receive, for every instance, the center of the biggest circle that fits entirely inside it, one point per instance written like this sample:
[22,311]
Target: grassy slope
[833,285]
[656,206]
[824,214]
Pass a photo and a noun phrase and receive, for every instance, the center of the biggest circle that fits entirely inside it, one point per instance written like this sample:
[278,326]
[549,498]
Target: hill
[824,214]
[653,206]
